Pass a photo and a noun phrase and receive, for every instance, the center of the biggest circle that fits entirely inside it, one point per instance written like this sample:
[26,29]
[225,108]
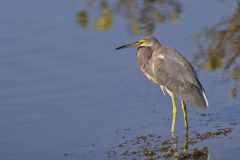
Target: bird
[167,67]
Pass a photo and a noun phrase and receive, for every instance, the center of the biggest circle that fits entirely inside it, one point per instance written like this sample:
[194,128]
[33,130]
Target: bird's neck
[155,46]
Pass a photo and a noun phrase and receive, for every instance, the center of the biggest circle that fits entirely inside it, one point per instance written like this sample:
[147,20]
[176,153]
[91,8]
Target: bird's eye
[141,42]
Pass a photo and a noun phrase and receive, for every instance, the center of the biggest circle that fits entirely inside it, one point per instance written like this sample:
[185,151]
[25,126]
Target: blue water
[65,90]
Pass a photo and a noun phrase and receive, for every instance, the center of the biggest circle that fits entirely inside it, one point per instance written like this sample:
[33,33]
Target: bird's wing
[176,56]
[175,73]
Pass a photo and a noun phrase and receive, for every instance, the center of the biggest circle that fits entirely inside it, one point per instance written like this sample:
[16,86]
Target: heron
[167,67]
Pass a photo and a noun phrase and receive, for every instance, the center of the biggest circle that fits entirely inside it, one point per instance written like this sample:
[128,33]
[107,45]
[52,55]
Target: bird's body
[168,68]
[180,80]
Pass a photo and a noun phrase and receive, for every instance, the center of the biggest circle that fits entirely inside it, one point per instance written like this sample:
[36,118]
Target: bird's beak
[129,45]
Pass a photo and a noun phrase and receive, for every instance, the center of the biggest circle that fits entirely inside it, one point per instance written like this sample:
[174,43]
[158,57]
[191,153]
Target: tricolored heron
[166,66]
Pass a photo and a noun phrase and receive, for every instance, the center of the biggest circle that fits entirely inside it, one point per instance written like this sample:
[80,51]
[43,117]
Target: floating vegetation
[154,147]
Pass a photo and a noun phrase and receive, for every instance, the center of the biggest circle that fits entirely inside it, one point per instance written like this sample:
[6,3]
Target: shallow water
[65,93]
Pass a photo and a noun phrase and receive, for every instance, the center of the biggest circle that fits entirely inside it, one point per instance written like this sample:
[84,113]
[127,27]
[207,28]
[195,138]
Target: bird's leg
[184,109]
[174,113]
[185,146]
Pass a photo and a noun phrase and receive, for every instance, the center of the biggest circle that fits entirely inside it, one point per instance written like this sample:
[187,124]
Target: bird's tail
[199,98]
[205,98]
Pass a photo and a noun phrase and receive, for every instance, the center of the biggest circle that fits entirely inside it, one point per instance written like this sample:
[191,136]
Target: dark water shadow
[141,16]
[219,49]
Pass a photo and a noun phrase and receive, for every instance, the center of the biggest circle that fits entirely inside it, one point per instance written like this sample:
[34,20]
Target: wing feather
[175,73]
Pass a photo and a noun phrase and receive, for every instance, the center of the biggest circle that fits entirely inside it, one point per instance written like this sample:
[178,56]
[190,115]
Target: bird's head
[144,42]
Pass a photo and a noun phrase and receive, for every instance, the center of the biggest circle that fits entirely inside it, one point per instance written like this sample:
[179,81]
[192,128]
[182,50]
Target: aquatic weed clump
[154,147]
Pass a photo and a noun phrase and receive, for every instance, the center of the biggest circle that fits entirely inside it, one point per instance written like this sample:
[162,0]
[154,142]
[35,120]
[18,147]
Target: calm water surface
[65,93]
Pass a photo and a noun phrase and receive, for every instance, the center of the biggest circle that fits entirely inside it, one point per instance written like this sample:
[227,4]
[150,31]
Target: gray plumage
[167,67]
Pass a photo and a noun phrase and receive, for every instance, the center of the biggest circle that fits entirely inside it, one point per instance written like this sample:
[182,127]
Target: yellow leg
[174,113]
[185,146]
[184,109]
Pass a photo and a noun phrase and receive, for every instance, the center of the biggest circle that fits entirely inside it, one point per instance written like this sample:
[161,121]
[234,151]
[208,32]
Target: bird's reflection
[184,153]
